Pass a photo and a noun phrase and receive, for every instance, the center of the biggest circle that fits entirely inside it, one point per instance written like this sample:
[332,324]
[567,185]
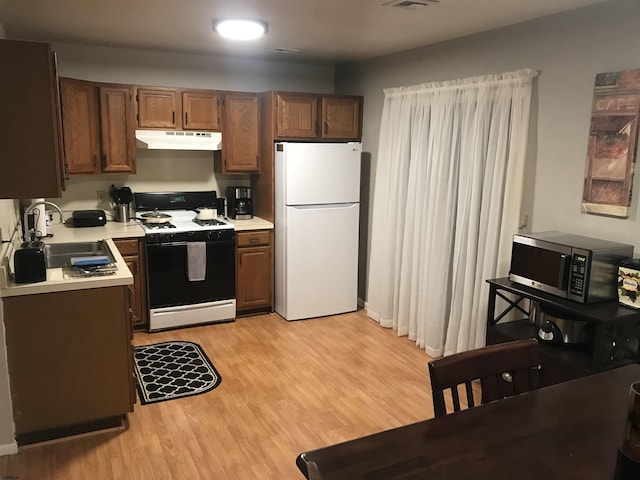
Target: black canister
[220,207]
[29,264]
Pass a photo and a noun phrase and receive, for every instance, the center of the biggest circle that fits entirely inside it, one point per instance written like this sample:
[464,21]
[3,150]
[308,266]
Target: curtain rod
[525,74]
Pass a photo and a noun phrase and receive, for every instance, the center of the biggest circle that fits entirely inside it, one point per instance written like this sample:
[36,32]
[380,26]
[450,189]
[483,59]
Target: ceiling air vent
[409,4]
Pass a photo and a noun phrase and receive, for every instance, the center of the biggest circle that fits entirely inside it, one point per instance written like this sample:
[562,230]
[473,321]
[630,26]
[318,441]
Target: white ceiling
[329,30]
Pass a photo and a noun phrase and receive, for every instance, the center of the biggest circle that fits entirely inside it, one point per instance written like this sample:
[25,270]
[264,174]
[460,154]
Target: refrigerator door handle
[324,206]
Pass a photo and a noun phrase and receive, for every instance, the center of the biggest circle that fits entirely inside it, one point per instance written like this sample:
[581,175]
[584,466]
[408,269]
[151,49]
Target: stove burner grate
[159,226]
[209,222]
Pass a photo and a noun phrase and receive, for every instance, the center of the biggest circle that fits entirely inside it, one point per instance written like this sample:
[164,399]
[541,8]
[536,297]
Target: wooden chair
[504,370]
[312,471]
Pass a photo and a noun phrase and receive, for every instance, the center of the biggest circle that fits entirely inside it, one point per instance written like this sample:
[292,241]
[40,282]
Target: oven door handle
[191,307]
[214,241]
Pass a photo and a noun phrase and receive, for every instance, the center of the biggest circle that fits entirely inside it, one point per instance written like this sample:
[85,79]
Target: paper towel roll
[40,218]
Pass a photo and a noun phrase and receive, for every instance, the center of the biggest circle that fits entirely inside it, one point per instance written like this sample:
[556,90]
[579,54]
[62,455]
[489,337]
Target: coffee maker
[239,203]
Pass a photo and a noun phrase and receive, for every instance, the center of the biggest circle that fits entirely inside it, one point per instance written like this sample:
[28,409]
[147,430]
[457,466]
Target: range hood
[178,140]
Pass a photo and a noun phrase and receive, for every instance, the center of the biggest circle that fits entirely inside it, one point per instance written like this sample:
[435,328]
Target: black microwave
[574,267]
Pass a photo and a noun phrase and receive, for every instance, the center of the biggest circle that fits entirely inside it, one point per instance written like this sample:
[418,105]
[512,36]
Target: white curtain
[446,203]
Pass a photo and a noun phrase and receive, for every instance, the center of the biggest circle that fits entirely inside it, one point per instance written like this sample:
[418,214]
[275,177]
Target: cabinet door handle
[186,118]
[254,240]
[173,117]
[95,161]
[131,303]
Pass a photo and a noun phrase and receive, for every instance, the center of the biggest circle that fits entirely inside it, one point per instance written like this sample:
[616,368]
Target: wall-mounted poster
[613,141]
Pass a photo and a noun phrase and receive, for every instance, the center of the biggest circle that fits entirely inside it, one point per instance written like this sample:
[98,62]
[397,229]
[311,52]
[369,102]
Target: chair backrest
[504,369]
[312,471]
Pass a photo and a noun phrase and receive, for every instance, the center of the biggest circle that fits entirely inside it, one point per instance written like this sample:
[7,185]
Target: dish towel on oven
[196,261]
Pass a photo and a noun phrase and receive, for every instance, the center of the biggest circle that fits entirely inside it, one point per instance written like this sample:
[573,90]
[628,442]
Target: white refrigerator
[317,195]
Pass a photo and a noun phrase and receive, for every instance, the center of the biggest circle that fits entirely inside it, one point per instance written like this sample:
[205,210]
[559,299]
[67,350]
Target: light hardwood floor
[287,387]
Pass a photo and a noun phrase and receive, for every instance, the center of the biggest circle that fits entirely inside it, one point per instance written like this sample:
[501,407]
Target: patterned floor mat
[169,370]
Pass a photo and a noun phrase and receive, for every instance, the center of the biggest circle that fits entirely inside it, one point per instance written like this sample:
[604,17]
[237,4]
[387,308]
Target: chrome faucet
[30,234]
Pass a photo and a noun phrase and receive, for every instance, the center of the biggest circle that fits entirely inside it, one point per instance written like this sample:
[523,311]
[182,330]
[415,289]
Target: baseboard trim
[64,433]
[9,448]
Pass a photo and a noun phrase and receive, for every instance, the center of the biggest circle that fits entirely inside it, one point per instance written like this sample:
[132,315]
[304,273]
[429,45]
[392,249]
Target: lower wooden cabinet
[133,253]
[254,271]
[70,359]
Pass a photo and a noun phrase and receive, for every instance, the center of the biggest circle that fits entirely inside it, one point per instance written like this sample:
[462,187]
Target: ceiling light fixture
[240,29]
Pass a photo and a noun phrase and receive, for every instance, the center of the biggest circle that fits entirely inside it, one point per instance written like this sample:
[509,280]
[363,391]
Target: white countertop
[56,280]
[256,223]
[65,234]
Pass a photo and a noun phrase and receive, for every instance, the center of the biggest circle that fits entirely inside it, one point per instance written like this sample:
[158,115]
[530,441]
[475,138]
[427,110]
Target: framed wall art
[613,143]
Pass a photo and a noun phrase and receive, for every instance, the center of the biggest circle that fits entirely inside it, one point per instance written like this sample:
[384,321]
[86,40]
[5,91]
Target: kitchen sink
[58,255]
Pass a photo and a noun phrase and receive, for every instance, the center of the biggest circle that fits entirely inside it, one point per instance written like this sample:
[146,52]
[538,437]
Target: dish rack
[83,271]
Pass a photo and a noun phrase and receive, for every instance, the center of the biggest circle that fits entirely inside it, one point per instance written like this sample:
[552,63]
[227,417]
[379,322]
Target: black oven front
[175,300]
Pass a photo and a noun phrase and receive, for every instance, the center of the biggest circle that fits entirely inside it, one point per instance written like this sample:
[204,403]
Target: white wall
[157,171]
[143,67]
[568,49]
[8,217]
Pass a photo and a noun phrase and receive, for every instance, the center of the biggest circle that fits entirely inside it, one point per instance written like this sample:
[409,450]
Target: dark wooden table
[570,430]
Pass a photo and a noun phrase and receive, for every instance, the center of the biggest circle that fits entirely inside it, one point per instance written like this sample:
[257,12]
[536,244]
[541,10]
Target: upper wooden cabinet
[240,135]
[174,108]
[200,110]
[296,115]
[117,129]
[341,117]
[98,127]
[80,126]
[30,129]
[312,116]
[157,107]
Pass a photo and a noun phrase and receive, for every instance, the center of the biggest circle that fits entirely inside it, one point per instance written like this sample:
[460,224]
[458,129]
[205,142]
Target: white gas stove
[190,262]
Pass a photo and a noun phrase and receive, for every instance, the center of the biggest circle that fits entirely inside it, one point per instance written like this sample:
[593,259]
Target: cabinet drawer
[127,247]
[251,239]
